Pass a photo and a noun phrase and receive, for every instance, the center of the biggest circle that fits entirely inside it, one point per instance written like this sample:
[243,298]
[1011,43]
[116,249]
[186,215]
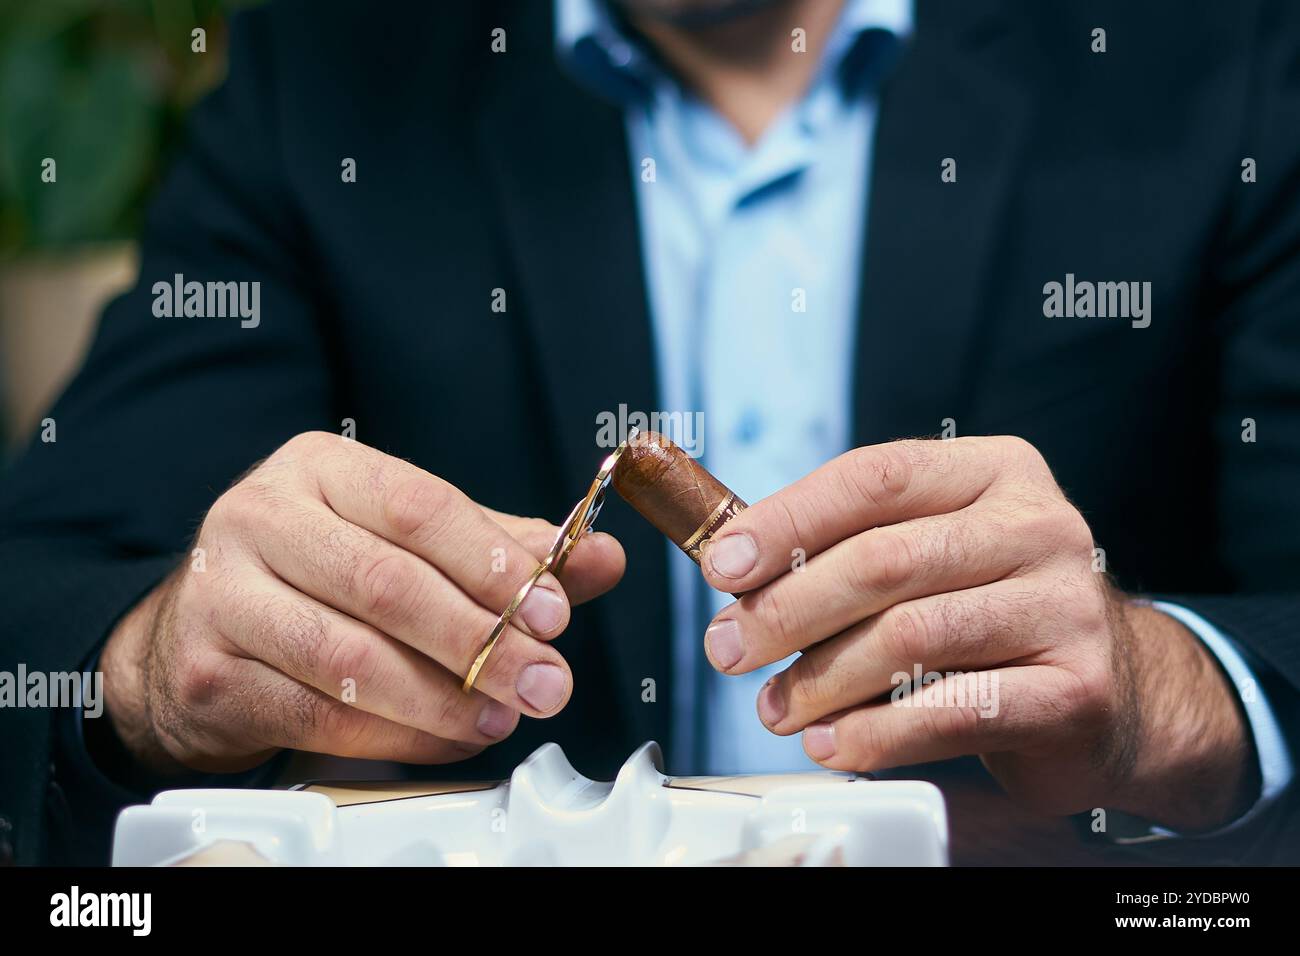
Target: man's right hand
[336,604]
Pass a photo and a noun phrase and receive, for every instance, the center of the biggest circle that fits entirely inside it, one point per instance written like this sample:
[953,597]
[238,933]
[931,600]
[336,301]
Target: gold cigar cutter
[578,523]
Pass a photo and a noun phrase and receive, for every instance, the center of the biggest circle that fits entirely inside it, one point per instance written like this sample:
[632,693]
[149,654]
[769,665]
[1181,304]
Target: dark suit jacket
[479,171]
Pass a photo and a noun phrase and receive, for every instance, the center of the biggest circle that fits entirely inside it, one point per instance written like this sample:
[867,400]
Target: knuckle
[1042,530]
[1082,607]
[247,504]
[302,447]
[448,716]
[309,441]
[220,512]
[810,686]
[387,586]
[954,724]
[894,561]
[1055,522]
[1041,522]
[350,660]
[1086,690]
[879,473]
[779,617]
[198,681]
[906,634]
[239,507]
[418,508]
[1075,534]
[1015,447]
[866,743]
[337,725]
[857,578]
[800,529]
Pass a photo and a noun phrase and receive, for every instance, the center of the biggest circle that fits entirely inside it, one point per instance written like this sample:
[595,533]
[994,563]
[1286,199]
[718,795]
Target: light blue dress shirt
[752,260]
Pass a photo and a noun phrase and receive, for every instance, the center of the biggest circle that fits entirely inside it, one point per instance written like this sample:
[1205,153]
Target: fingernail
[542,686]
[495,719]
[542,610]
[771,704]
[723,641]
[733,555]
[819,741]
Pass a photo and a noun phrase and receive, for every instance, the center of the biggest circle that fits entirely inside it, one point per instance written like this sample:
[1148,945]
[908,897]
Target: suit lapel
[557,160]
[929,243]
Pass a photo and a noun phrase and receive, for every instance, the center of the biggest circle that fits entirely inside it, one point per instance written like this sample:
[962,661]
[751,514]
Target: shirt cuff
[1276,770]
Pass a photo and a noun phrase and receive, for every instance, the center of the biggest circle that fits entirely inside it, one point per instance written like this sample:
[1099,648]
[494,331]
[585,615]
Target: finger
[368,578]
[247,703]
[861,489]
[358,665]
[969,630]
[1015,708]
[594,566]
[433,519]
[860,577]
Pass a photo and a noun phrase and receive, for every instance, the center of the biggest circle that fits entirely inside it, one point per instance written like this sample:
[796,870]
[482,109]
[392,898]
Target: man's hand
[963,558]
[335,606]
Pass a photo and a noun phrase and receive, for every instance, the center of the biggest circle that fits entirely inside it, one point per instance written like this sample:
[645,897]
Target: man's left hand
[963,558]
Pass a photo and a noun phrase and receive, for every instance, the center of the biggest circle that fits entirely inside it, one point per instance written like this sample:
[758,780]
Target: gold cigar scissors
[578,523]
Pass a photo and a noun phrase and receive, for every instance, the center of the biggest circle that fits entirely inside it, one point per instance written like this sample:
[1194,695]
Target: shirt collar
[593,46]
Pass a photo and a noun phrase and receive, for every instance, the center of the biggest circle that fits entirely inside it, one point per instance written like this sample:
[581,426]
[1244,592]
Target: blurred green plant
[101,87]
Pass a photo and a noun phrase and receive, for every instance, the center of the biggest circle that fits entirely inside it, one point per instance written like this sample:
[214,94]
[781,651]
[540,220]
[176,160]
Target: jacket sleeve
[1255,272]
[164,414]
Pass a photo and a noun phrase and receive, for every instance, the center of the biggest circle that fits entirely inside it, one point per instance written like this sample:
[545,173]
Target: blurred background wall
[100,87]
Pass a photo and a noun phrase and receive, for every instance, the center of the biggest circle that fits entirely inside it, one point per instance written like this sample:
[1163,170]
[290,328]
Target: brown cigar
[673,492]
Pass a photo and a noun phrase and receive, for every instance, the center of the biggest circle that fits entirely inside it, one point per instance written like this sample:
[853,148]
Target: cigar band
[727,509]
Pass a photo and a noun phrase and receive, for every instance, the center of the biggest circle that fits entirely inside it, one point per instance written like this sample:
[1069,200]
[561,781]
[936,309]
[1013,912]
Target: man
[477,232]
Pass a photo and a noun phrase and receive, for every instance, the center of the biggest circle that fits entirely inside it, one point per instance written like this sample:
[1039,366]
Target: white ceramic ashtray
[548,814]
